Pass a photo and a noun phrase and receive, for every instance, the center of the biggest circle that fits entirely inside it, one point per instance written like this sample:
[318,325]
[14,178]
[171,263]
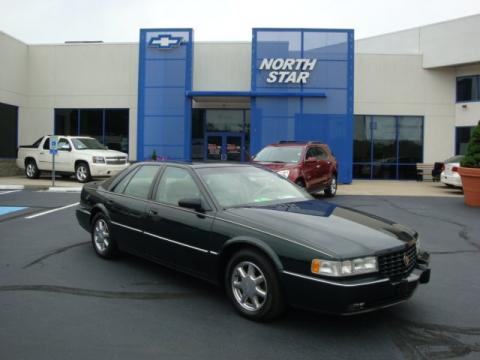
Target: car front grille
[116,160]
[398,264]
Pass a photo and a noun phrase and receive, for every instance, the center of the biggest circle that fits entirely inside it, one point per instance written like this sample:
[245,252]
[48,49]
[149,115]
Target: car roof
[296,143]
[195,165]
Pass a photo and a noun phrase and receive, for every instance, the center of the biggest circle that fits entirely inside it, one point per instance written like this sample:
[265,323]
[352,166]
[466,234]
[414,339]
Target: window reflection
[384,146]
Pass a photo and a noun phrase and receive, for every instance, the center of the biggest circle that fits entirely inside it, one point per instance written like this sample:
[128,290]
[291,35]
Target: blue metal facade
[164,110]
[319,109]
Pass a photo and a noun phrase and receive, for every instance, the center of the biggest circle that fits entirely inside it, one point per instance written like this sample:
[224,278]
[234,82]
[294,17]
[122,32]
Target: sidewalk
[398,188]
[43,183]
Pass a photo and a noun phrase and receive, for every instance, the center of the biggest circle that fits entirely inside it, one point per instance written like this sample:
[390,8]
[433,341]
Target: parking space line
[51,211]
[9,192]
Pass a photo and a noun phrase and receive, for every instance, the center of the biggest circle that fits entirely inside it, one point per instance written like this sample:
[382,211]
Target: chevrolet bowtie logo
[165,42]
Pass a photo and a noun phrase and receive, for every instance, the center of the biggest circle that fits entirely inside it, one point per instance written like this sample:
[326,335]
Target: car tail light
[454,168]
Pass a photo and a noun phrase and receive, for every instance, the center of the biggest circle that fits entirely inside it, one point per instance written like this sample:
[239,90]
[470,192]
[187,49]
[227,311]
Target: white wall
[398,85]
[222,66]
[401,42]
[13,70]
[78,76]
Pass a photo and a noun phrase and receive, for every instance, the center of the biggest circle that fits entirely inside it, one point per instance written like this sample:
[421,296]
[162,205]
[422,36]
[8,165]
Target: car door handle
[41,153]
[152,212]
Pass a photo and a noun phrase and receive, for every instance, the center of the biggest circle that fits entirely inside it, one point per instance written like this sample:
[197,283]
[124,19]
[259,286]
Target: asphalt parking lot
[59,300]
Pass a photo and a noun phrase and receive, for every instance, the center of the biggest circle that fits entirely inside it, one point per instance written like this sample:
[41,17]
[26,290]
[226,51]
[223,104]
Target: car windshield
[249,186]
[280,154]
[87,144]
[454,159]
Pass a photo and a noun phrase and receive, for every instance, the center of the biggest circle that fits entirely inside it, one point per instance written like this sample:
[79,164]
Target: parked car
[82,156]
[308,164]
[450,175]
[266,240]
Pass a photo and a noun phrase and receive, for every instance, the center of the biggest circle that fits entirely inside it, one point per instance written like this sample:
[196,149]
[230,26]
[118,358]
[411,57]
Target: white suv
[82,156]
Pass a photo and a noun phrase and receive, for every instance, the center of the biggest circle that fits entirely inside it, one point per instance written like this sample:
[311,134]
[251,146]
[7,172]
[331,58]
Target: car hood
[338,231]
[276,166]
[105,153]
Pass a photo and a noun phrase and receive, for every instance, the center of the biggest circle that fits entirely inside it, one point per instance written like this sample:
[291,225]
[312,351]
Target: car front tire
[82,172]
[102,241]
[253,286]
[331,190]
[31,170]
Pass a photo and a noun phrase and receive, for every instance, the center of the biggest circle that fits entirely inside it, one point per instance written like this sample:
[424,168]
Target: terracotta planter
[471,185]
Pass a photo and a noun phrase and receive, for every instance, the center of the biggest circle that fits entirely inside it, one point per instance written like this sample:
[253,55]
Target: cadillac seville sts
[264,239]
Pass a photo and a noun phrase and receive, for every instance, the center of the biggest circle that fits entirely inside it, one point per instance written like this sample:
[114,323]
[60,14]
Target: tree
[472,157]
[154,155]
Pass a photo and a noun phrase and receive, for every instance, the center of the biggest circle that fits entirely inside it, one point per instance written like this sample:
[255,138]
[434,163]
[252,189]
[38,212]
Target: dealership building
[383,104]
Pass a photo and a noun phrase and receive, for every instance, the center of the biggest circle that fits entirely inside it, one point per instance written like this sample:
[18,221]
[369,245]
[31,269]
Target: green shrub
[472,157]
[154,155]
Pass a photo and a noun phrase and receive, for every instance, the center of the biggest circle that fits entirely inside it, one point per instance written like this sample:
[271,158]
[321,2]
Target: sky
[57,21]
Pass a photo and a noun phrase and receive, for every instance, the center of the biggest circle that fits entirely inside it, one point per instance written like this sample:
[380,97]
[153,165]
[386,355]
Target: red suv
[308,164]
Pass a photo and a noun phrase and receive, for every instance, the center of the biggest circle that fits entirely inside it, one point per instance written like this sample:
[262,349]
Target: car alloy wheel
[82,173]
[101,236]
[249,286]
[30,170]
[102,240]
[331,190]
[253,285]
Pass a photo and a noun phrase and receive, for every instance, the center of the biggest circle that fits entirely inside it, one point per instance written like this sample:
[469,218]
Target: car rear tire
[102,241]
[82,172]
[253,286]
[331,190]
[31,170]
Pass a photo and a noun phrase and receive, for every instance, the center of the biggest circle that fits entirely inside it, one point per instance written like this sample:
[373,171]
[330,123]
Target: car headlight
[284,173]
[98,160]
[345,268]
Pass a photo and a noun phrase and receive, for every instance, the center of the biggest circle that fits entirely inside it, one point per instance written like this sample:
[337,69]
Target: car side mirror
[311,159]
[65,147]
[192,203]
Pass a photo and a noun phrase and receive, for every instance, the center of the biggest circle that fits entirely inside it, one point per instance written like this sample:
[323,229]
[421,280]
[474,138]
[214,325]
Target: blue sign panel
[302,86]
[164,111]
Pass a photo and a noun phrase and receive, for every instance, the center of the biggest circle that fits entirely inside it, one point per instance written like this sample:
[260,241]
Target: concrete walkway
[398,188]
[358,187]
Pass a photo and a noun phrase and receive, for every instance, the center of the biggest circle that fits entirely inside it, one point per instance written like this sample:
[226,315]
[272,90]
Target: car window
[63,144]
[242,186]
[46,144]
[312,152]
[140,183]
[176,184]
[122,184]
[321,154]
[280,154]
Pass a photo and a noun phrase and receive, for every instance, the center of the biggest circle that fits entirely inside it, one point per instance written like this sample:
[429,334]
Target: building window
[8,132]
[109,126]
[462,137]
[468,88]
[387,147]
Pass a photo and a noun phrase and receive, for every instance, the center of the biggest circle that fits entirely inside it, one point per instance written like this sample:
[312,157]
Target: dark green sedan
[264,239]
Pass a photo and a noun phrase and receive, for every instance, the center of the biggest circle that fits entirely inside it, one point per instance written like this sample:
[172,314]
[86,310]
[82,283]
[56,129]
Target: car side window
[63,144]
[322,155]
[176,184]
[46,144]
[140,183]
[122,184]
[312,152]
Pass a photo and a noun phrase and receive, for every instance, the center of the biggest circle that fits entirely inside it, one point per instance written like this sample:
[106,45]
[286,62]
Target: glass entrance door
[225,146]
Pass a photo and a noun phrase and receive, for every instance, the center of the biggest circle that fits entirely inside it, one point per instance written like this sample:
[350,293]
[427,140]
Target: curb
[65,189]
[12,187]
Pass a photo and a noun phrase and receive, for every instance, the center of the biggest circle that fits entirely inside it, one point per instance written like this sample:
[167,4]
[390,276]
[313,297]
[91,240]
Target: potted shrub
[470,170]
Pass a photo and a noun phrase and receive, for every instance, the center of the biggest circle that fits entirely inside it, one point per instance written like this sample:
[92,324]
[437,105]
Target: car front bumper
[353,297]
[103,170]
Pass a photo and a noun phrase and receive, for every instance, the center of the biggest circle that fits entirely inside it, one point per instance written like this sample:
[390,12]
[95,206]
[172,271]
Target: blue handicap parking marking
[4,210]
